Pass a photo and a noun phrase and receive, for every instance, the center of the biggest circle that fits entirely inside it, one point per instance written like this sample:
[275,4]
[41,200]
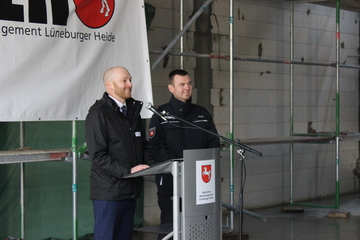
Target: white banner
[53,54]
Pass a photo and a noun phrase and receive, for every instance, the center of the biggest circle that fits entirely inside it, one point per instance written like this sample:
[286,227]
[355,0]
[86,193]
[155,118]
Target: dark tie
[123,109]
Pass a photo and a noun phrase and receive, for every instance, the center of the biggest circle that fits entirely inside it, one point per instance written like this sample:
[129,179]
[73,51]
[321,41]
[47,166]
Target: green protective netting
[149,14]
[48,185]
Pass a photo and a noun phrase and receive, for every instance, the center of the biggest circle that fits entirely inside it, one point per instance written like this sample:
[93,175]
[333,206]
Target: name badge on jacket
[137,134]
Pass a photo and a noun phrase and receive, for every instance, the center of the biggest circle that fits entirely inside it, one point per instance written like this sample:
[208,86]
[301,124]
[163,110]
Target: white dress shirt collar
[117,102]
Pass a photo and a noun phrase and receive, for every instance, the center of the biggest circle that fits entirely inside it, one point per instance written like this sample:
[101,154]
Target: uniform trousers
[114,220]
[164,184]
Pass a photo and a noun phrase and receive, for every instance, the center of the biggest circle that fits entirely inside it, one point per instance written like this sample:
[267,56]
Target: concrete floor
[313,224]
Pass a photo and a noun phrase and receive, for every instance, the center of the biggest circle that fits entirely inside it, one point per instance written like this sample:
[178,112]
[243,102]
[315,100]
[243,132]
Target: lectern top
[163,167]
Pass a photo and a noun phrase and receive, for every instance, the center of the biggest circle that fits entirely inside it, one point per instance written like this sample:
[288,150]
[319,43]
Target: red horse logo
[94,13]
[206,173]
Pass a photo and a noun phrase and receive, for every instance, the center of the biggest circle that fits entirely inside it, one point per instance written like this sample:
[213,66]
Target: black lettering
[37,11]
[97,36]
[11,12]
[60,12]
[20,31]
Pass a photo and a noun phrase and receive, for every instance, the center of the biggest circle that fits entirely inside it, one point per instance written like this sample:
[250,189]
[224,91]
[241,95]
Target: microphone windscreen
[148,105]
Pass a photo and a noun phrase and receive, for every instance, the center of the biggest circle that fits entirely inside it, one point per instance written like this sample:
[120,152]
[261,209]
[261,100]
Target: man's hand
[139,168]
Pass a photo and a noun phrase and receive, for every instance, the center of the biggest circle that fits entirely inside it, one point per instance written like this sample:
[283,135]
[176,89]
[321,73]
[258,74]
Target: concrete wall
[262,93]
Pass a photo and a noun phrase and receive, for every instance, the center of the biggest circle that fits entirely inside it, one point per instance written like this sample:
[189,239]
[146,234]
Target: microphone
[150,107]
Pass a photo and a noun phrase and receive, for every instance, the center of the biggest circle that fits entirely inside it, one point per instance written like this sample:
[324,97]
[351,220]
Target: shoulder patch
[152,132]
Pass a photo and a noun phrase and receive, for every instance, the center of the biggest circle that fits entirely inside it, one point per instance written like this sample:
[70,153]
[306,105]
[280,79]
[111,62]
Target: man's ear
[109,85]
[171,88]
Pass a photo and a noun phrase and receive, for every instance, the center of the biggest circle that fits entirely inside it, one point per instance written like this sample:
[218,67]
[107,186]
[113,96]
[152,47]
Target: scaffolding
[9,157]
[26,155]
[294,137]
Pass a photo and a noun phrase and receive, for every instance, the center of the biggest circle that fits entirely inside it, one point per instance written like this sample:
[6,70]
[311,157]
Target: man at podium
[169,138]
[117,146]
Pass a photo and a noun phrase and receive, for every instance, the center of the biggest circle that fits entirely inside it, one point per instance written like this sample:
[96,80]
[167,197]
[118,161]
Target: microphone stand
[237,143]
[241,151]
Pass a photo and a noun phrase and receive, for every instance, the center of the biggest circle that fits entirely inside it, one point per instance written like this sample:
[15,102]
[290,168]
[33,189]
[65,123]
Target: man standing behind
[168,139]
[117,146]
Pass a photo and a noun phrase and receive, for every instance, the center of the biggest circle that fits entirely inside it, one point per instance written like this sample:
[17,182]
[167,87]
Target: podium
[197,197]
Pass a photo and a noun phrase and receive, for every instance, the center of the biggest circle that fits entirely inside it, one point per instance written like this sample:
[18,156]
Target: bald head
[112,73]
[117,81]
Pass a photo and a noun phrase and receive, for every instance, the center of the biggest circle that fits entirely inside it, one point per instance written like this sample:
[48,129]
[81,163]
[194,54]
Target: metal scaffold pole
[227,57]
[291,100]
[182,37]
[336,134]
[231,123]
[22,183]
[337,184]
[181,33]
[74,181]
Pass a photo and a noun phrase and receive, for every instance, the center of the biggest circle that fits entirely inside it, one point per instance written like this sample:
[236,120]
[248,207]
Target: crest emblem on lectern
[206,173]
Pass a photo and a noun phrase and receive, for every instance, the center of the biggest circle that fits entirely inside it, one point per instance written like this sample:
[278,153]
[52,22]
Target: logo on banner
[92,13]
[206,173]
[95,13]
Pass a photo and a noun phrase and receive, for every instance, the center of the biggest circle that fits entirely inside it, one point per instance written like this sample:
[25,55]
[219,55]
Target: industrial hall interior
[279,79]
